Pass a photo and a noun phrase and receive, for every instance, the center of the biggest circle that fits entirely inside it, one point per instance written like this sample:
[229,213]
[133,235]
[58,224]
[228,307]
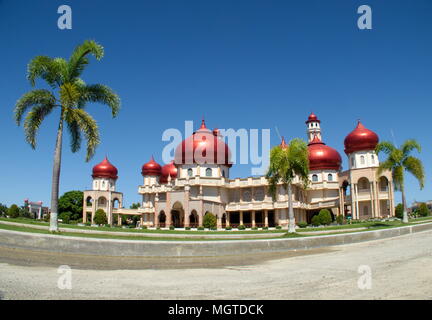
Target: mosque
[181,192]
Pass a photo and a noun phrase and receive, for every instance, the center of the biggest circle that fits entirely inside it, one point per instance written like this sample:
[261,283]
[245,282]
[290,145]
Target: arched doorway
[193,219]
[177,215]
[162,219]
[223,221]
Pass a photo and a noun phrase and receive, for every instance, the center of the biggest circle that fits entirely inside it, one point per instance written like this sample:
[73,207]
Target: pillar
[253,219]
[227,219]
[265,218]
[241,217]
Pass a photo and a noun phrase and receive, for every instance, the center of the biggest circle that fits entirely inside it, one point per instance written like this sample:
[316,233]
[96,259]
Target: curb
[155,248]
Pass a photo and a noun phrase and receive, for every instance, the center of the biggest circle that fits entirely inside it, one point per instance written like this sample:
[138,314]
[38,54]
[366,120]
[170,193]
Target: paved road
[400,269]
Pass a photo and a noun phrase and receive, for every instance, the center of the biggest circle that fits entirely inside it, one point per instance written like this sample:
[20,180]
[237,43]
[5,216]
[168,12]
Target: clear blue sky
[241,64]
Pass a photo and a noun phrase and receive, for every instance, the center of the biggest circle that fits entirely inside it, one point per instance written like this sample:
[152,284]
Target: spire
[283,144]
[203,125]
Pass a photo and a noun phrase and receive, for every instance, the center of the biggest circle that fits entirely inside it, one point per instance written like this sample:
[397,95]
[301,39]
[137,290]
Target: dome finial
[283,144]
[203,125]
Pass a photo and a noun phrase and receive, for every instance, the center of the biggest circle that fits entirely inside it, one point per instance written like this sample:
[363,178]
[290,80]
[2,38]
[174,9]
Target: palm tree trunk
[291,225]
[405,213]
[56,177]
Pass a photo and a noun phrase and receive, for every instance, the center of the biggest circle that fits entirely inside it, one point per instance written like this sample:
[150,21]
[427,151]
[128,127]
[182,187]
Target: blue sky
[240,64]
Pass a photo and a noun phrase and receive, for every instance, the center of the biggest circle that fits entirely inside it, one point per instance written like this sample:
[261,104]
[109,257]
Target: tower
[313,127]
[103,194]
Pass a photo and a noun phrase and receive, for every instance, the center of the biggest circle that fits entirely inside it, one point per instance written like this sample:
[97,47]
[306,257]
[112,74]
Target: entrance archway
[162,219]
[193,219]
[177,215]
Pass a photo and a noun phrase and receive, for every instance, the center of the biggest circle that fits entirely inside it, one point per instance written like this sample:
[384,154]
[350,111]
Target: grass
[123,237]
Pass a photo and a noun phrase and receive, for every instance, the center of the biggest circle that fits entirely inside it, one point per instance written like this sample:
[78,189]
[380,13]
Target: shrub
[255,228]
[399,211]
[88,223]
[65,216]
[340,219]
[325,217]
[209,220]
[13,211]
[316,221]
[241,227]
[278,227]
[100,217]
[302,224]
[423,210]
[200,228]
[265,228]
[188,228]
[171,227]
[228,228]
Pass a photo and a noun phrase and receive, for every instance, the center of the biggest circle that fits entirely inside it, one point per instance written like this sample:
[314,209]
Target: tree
[399,211]
[13,211]
[100,217]
[325,217]
[73,94]
[209,221]
[423,210]
[286,163]
[316,221]
[72,203]
[398,161]
[3,209]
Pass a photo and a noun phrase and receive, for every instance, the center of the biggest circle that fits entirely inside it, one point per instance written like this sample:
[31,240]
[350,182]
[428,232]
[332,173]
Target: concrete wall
[75,245]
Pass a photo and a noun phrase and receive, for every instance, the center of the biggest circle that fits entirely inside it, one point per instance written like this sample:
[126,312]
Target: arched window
[314,178]
[208,172]
[362,160]
[190,172]
[373,158]
[330,177]
[352,162]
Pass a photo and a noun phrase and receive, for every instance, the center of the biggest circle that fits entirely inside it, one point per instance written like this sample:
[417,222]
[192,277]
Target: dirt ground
[398,268]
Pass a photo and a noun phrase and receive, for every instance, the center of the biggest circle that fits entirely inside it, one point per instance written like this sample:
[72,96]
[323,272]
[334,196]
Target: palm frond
[386,147]
[33,121]
[75,133]
[32,98]
[79,60]
[100,94]
[409,145]
[87,126]
[48,69]
[414,166]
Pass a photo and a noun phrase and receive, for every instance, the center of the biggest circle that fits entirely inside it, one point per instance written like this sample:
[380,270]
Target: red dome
[322,157]
[203,146]
[105,170]
[312,118]
[151,168]
[360,139]
[168,170]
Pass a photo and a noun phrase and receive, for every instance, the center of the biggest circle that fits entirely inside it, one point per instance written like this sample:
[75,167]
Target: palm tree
[398,161]
[287,162]
[72,96]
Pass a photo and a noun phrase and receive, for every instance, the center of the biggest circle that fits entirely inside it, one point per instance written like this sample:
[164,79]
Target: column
[353,201]
[253,219]
[378,203]
[119,220]
[227,219]
[241,217]
[371,192]
[142,219]
[265,218]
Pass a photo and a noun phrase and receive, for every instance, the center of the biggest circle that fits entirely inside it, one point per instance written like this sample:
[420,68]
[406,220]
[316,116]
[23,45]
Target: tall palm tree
[70,94]
[287,162]
[398,161]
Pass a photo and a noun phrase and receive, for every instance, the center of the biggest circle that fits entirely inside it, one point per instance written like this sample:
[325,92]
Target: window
[314,178]
[223,173]
[362,160]
[208,172]
[190,172]
[352,162]
[330,177]
[373,158]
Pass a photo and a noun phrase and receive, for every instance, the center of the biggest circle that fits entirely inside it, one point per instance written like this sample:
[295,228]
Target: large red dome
[322,157]
[168,170]
[105,170]
[203,146]
[360,139]
[151,168]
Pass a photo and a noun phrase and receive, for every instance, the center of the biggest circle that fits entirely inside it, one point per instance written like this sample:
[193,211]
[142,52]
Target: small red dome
[151,168]
[105,170]
[203,146]
[322,157]
[360,139]
[312,118]
[168,170]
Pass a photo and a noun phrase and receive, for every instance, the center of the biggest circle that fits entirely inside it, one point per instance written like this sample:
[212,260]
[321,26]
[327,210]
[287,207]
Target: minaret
[313,127]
